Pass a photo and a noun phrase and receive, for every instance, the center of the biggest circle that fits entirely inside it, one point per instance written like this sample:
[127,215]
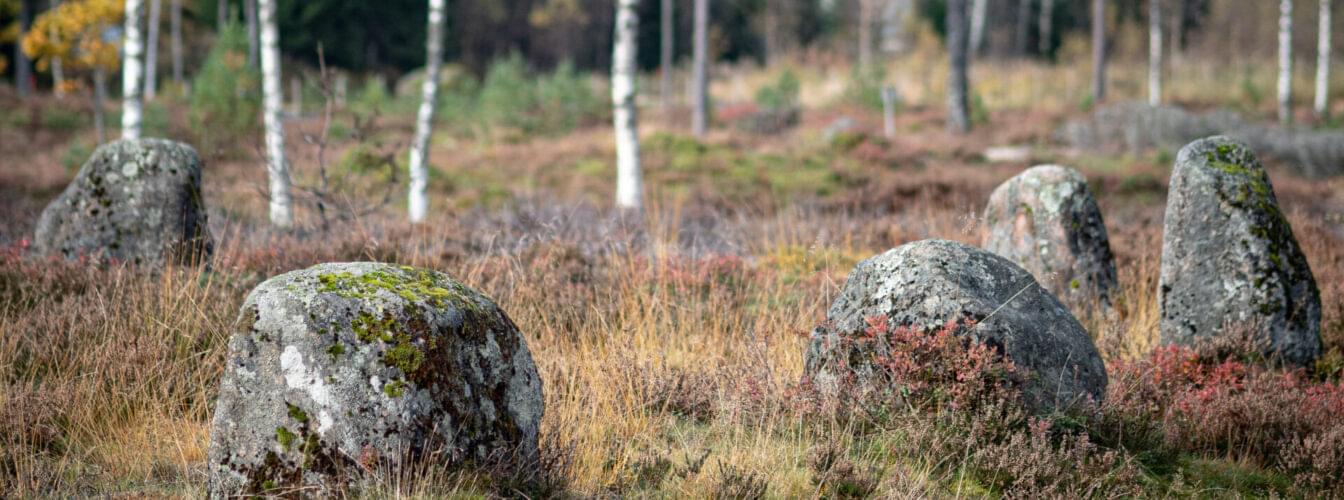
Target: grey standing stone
[927,284]
[350,365]
[1229,258]
[1046,220]
[136,201]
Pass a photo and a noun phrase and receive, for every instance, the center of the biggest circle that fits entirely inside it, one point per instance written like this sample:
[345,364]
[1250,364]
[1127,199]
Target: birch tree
[700,70]
[623,61]
[1285,61]
[132,70]
[418,200]
[1098,50]
[175,38]
[152,50]
[1323,45]
[277,170]
[979,12]
[958,112]
[1154,52]
[665,55]
[57,64]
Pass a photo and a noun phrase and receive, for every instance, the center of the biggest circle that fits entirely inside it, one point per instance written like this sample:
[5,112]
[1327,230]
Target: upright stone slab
[1229,258]
[136,201]
[928,284]
[346,366]
[1046,220]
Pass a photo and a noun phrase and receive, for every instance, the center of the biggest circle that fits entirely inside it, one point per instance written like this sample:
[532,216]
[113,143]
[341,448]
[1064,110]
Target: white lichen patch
[298,376]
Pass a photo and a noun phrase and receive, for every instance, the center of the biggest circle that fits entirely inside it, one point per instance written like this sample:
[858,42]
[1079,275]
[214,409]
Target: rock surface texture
[928,284]
[1046,220]
[1230,262]
[341,367]
[135,201]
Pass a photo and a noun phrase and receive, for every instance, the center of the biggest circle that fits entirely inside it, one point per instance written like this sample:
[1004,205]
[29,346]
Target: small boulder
[347,366]
[135,201]
[928,284]
[1230,262]
[1046,220]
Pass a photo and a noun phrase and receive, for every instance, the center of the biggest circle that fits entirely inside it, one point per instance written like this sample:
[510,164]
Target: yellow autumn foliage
[77,32]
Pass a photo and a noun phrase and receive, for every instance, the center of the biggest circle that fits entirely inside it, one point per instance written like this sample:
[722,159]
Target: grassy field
[670,343]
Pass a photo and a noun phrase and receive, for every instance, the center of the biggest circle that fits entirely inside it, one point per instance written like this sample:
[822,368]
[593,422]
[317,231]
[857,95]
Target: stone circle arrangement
[353,366]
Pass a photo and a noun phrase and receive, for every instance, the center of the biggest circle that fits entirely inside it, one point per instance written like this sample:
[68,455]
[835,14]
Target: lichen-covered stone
[345,366]
[136,201]
[1046,220]
[928,284]
[1229,258]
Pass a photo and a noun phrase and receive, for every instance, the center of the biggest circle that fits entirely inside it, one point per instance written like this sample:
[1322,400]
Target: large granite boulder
[136,201]
[928,284]
[1046,220]
[1230,263]
[342,367]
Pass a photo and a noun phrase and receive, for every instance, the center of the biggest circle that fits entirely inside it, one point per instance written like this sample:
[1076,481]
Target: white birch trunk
[979,11]
[1323,46]
[958,84]
[1154,52]
[700,70]
[132,70]
[1285,61]
[282,212]
[889,112]
[175,38]
[623,57]
[418,199]
[152,50]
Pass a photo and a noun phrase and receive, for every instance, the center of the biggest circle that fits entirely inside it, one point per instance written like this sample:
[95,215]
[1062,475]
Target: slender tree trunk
[282,212]
[1177,30]
[99,101]
[958,109]
[295,96]
[624,117]
[1023,26]
[221,14]
[1047,27]
[132,71]
[1098,51]
[1323,45]
[152,50]
[665,54]
[866,8]
[895,14]
[175,39]
[1285,61]
[979,13]
[250,12]
[23,69]
[57,68]
[1154,52]
[700,71]
[889,111]
[418,200]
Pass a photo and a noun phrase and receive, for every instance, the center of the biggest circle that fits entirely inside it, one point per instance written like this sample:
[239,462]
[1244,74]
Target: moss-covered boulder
[343,367]
[136,201]
[1046,220]
[933,284]
[1230,263]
